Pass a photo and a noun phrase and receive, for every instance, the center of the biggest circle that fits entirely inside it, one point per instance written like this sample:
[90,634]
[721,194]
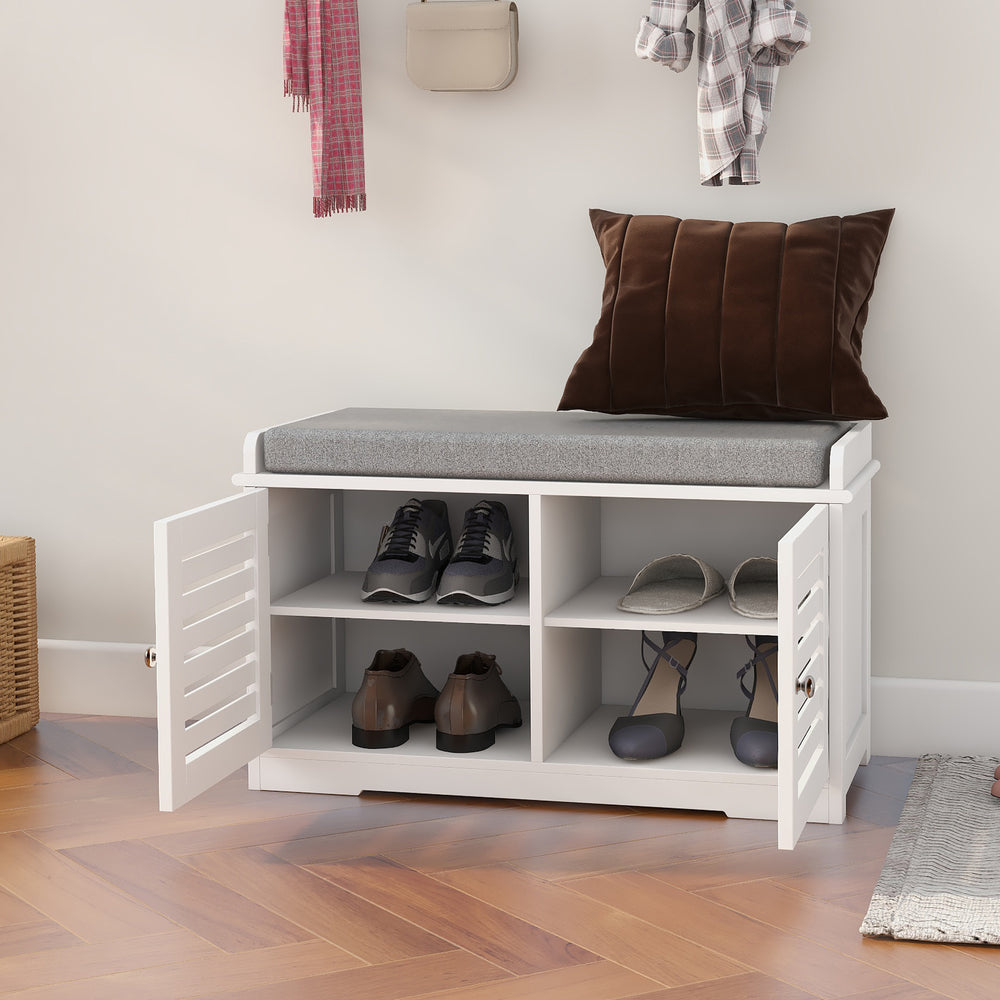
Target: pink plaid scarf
[323,75]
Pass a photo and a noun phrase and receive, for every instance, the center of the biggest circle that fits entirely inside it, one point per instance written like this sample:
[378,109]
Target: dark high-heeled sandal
[654,726]
[754,736]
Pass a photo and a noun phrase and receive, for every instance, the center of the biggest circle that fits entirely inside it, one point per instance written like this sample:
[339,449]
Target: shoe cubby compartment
[599,544]
[312,750]
[607,672]
[322,543]
[263,638]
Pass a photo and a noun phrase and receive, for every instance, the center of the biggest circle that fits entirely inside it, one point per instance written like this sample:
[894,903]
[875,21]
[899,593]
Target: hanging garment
[323,75]
[741,45]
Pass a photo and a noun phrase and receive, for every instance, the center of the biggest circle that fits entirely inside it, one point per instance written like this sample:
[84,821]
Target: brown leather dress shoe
[473,704]
[394,693]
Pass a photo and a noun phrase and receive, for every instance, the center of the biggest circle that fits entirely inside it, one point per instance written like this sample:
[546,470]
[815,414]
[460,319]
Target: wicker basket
[18,637]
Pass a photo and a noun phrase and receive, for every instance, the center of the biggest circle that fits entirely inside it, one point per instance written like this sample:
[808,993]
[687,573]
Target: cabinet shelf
[327,732]
[339,596]
[595,606]
[706,754]
[317,755]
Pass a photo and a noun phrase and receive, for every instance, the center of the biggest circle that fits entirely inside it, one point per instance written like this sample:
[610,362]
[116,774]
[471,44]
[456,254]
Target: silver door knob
[151,657]
[807,687]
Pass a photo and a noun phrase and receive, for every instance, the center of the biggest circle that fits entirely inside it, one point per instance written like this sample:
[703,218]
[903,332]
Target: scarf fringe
[323,207]
[300,102]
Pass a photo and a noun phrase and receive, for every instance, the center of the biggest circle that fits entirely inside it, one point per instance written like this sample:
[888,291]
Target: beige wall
[164,288]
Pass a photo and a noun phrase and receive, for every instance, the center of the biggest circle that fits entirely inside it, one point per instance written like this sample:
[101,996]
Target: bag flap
[460,15]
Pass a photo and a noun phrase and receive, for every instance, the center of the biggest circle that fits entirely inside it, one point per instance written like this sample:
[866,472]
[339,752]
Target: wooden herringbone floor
[270,895]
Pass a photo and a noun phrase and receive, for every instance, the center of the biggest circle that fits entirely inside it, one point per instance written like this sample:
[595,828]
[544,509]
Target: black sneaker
[412,552]
[484,567]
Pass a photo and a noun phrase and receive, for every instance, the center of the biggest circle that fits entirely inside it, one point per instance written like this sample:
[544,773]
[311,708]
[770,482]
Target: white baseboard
[95,678]
[909,716]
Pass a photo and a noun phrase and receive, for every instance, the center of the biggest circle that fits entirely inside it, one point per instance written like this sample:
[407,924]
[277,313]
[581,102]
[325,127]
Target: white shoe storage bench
[262,636]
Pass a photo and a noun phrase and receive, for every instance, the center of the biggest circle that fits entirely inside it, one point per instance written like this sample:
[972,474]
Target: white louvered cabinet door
[803,672]
[212,643]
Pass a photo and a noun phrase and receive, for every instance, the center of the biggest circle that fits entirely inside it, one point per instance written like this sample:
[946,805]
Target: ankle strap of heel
[662,654]
[760,659]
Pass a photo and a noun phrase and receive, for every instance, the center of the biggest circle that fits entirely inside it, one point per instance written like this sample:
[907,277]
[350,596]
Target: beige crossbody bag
[461,44]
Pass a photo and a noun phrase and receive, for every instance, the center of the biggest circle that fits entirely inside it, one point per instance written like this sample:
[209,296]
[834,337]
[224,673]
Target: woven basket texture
[18,637]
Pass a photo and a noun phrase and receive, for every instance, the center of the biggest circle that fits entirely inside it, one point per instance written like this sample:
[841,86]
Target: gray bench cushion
[559,447]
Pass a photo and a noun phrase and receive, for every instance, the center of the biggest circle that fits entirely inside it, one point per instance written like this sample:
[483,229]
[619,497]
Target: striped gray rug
[941,880]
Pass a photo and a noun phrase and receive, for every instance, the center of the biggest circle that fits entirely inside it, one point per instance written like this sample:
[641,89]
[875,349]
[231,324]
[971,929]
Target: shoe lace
[662,654]
[400,537]
[760,659]
[475,534]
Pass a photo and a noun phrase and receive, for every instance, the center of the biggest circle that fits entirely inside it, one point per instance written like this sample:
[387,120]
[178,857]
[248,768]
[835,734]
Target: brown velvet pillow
[752,320]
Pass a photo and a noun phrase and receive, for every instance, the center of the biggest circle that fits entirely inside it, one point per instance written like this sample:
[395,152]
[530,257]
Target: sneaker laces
[475,534]
[400,537]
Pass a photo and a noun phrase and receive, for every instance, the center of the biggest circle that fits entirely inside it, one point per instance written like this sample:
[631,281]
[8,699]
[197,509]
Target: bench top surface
[553,446]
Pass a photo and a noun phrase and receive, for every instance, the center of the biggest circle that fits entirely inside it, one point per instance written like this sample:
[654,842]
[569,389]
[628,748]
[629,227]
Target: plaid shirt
[741,45]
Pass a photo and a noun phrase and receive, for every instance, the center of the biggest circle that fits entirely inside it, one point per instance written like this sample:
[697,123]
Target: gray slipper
[753,588]
[671,584]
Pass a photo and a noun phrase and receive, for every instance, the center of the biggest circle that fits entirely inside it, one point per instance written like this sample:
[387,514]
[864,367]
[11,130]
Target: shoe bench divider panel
[259,617]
